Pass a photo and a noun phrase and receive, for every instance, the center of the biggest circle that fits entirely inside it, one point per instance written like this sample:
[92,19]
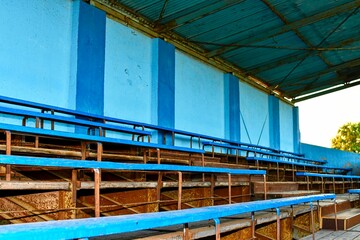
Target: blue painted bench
[332,176]
[91,138]
[106,165]
[74,121]
[166,130]
[294,164]
[354,191]
[96,227]
[101,165]
[256,151]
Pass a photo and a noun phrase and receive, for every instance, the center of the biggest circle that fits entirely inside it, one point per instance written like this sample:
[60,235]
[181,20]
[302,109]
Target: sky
[321,117]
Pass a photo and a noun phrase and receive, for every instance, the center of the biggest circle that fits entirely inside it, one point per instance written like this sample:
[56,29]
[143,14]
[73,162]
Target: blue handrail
[85,164]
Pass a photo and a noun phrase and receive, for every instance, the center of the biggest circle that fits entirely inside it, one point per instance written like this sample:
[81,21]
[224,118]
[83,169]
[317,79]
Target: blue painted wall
[334,157]
[163,69]
[232,107]
[48,64]
[296,130]
[254,115]
[36,51]
[90,60]
[274,121]
[286,126]
[199,96]
[128,76]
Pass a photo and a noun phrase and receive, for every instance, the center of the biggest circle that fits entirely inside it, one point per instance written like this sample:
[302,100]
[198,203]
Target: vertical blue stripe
[274,121]
[164,72]
[296,129]
[232,107]
[90,60]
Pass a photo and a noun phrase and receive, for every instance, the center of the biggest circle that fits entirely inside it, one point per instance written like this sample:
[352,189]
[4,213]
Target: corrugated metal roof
[296,47]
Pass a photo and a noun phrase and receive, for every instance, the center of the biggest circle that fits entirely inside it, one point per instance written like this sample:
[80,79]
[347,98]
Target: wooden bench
[308,175]
[9,129]
[75,121]
[97,227]
[295,164]
[354,191]
[103,165]
[163,130]
[257,151]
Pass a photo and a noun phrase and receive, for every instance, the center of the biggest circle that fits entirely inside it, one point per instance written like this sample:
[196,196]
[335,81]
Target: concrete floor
[351,234]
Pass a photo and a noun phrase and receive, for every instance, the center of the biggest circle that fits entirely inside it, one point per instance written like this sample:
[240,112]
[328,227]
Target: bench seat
[74,121]
[295,163]
[95,227]
[84,137]
[261,152]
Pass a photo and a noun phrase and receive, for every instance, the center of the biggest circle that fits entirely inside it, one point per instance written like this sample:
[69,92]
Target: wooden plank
[347,214]
[318,235]
[355,228]
[34,185]
[333,235]
[349,235]
[65,185]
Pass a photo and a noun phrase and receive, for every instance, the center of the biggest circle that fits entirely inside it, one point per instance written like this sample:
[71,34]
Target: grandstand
[173,120]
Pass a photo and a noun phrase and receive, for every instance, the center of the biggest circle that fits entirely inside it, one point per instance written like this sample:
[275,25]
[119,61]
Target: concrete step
[297,193]
[216,163]
[345,219]
[258,187]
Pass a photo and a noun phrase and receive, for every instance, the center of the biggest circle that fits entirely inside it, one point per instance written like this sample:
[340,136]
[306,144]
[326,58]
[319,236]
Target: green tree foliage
[347,138]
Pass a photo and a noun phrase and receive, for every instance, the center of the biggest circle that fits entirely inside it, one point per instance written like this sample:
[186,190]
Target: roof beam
[331,90]
[298,56]
[285,28]
[192,16]
[297,32]
[185,12]
[287,59]
[334,68]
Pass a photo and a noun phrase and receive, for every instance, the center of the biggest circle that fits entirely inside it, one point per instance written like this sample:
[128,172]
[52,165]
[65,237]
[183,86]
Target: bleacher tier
[60,164]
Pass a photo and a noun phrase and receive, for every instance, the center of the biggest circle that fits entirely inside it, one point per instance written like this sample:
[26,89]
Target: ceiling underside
[295,47]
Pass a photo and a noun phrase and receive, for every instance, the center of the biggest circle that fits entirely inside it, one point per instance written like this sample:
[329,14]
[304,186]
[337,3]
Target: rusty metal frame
[217,228]
[8,152]
[180,189]
[278,224]
[335,214]
[312,221]
[253,225]
[229,187]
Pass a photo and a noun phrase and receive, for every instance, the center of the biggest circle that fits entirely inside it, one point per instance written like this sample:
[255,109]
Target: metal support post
[278,227]
[212,189]
[335,214]
[8,152]
[186,233]
[158,155]
[312,222]
[97,191]
[37,125]
[179,190]
[253,224]
[229,187]
[217,228]
[265,186]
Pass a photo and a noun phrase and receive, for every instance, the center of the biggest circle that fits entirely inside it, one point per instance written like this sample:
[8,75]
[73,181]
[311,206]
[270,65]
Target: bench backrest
[69,120]
[99,118]
[260,151]
[271,160]
[322,175]
[78,136]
